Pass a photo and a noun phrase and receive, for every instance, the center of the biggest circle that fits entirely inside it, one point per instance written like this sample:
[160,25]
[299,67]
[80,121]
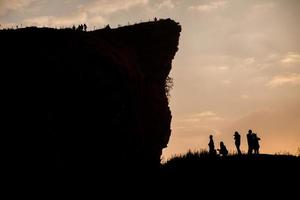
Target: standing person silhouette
[250,142]
[256,146]
[223,150]
[237,142]
[211,145]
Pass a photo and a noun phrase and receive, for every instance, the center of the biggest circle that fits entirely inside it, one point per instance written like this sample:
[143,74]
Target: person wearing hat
[237,142]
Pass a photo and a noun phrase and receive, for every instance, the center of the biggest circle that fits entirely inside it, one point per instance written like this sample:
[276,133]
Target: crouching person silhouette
[223,150]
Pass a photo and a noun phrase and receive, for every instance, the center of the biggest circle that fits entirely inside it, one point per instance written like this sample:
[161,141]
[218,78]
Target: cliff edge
[90,98]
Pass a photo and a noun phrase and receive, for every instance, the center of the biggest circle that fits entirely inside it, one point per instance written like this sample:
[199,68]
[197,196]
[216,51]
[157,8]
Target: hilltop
[234,176]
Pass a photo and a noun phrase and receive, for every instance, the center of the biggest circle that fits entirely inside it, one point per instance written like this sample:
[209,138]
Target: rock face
[97,97]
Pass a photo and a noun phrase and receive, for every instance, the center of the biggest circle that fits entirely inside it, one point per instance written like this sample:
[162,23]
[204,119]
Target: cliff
[83,99]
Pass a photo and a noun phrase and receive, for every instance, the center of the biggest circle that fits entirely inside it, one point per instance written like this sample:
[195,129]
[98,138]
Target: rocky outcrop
[97,97]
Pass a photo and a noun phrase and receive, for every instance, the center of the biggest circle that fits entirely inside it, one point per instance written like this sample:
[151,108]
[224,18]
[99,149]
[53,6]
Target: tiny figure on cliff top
[80,27]
[107,26]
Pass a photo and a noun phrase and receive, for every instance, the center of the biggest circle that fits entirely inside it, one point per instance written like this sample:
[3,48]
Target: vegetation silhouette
[208,166]
[201,165]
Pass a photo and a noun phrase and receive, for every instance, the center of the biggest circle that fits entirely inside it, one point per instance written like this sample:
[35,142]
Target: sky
[237,68]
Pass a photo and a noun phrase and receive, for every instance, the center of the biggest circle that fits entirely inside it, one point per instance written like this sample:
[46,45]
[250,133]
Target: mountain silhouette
[76,99]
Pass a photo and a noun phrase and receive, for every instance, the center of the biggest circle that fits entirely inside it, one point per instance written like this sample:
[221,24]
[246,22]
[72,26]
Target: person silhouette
[250,142]
[84,27]
[237,142]
[107,27]
[256,146]
[211,146]
[80,27]
[223,150]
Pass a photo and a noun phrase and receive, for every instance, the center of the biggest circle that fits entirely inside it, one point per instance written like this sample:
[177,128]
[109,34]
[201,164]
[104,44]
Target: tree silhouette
[168,86]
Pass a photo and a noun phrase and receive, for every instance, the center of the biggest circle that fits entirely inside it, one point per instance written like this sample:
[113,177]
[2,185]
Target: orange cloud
[12,5]
[112,6]
[286,79]
[291,58]
[53,21]
[166,4]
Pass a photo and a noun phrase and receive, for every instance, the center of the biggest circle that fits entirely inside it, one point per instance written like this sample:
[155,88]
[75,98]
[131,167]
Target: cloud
[93,12]
[291,58]
[108,7]
[196,119]
[244,96]
[209,6]
[53,21]
[286,79]
[13,5]
[97,20]
[223,68]
[206,114]
[209,115]
[166,4]
[226,82]
[268,5]
[249,61]
[200,117]
[65,21]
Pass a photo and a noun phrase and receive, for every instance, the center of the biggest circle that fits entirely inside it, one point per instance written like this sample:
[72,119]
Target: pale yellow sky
[238,64]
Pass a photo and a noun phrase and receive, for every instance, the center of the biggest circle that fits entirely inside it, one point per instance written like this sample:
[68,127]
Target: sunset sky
[237,68]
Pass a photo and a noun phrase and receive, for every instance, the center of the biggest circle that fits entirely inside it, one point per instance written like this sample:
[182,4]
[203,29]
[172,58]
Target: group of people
[81,27]
[212,151]
[252,140]
[253,143]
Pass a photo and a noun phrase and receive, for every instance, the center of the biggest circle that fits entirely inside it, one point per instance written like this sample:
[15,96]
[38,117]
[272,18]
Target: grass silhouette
[199,164]
[203,156]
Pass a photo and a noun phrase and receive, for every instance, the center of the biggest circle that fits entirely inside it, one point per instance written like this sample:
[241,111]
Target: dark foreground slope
[234,170]
[88,99]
